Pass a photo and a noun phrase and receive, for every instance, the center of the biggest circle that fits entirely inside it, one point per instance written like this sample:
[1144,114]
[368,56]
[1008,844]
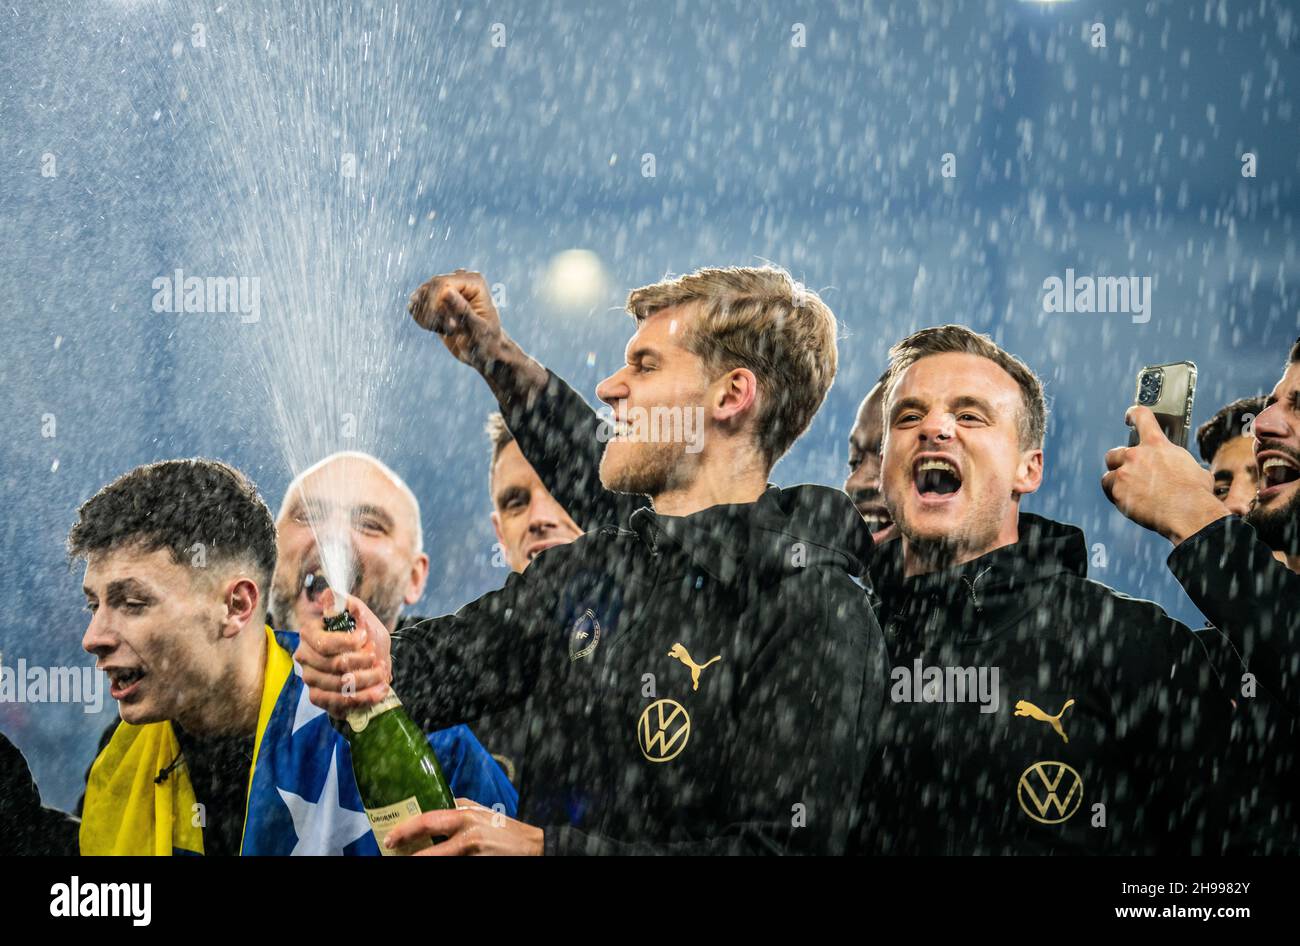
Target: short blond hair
[757,317]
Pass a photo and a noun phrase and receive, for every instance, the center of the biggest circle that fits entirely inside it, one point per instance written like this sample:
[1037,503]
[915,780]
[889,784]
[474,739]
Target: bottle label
[383,820]
[360,718]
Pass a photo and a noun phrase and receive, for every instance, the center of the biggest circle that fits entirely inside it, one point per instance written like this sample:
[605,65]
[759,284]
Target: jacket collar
[783,529]
[992,590]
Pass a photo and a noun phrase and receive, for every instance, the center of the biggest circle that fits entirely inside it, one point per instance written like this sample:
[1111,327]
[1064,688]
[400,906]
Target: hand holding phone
[1154,481]
[1169,391]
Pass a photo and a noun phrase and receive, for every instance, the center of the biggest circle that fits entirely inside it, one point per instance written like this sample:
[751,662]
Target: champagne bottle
[395,767]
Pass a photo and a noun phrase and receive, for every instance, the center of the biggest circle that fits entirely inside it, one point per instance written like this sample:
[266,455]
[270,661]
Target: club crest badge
[584,635]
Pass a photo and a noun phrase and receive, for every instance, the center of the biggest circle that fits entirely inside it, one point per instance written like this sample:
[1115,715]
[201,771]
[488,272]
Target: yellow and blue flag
[302,796]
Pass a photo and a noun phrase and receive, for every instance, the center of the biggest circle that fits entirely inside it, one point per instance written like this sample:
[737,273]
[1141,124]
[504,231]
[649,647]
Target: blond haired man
[704,675]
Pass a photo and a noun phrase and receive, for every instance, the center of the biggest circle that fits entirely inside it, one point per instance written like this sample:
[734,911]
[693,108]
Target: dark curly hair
[176,505]
[1227,424]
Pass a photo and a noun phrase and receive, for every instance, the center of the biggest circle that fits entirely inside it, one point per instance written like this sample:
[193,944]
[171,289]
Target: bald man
[360,509]
[351,514]
[366,517]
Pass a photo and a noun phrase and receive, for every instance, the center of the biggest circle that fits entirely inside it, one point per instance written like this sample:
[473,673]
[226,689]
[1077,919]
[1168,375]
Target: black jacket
[761,750]
[504,734]
[26,827]
[1232,577]
[1144,713]
[1150,730]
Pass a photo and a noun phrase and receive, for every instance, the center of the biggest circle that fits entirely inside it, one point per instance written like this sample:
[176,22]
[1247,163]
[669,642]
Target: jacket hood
[783,531]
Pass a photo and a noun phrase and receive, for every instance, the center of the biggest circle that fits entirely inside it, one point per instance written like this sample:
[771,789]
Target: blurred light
[575,281]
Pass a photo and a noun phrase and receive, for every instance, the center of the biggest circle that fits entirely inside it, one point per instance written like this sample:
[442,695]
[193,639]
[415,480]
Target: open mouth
[935,477]
[123,680]
[313,585]
[1278,471]
[620,431]
[876,517]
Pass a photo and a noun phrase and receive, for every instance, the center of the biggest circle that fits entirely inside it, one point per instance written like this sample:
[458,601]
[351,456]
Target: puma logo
[1025,708]
[682,654]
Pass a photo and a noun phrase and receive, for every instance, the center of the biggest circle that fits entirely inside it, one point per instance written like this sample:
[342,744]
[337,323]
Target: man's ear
[242,599]
[419,578]
[1029,474]
[734,394]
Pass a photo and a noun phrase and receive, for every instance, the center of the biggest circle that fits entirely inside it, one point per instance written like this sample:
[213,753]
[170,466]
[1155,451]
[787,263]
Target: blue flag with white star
[304,799]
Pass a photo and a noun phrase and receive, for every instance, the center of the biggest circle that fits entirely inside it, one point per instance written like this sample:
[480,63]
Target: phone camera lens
[1149,388]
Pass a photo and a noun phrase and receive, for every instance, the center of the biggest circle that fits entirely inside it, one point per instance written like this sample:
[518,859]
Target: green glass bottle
[395,768]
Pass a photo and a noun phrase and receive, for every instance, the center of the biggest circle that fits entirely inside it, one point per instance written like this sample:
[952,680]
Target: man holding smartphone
[1226,565]
[1161,487]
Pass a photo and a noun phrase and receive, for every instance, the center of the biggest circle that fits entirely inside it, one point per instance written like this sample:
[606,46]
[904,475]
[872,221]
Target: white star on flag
[305,711]
[324,827]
